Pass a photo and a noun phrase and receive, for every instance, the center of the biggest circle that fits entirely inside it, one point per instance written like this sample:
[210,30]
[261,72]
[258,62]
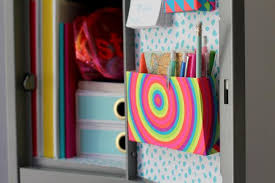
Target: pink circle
[158,100]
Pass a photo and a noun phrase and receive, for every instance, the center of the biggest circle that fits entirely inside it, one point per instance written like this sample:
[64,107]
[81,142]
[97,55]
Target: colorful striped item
[184,118]
[172,6]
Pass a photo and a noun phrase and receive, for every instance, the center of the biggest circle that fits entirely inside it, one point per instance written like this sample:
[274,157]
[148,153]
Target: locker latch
[29,82]
[226,91]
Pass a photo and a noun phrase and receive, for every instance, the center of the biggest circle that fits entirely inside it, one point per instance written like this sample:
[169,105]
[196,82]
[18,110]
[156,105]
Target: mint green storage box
[100,120]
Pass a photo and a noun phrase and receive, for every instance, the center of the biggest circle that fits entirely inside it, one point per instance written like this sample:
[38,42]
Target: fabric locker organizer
[184,118]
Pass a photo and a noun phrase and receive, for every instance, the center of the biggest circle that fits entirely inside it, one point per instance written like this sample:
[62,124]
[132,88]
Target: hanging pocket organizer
[171,6]
[183,117]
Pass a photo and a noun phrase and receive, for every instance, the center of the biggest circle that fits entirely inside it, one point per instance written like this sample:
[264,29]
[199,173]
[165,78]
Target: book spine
[55,47]
[48,78]
[70,90]
[61,93]
[33,57]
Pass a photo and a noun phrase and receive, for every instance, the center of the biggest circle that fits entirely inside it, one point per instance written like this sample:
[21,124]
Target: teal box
[101,120]
[100,102]
[102,140]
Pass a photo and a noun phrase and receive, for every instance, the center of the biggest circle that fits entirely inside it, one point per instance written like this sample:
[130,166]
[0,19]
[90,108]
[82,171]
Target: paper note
[147,13]
[158,62]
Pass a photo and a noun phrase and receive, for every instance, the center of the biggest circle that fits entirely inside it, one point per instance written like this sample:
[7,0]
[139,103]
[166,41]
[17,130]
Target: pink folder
[191,68]
[70,90]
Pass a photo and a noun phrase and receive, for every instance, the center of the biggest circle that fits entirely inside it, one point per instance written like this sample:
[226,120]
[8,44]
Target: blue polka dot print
[164,165]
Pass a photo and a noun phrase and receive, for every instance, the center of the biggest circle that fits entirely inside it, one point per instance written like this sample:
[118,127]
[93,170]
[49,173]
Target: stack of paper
[148,13]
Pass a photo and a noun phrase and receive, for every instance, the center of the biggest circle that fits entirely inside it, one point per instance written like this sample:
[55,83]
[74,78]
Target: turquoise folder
[61,93]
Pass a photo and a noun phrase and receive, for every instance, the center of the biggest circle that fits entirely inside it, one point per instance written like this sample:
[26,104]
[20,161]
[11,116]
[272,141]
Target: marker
[142,64]
[193,65]
[206,62]
[211,61]
[186,66]
[205,57]
[199,51]
[183,66]
[204,46]
[172,67]
[215,68]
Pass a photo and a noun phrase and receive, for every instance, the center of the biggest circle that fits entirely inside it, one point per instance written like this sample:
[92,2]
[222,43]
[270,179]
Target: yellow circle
[121,135]
[118,102]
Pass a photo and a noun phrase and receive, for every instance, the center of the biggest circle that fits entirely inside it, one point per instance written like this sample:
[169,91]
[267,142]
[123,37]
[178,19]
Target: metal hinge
[29,82]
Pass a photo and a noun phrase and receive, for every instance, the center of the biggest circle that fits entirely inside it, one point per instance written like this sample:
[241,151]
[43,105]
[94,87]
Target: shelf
[44,175]
[30,175]
[83,164]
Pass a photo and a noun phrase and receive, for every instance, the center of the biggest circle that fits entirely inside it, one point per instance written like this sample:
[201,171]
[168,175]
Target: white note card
[148,13]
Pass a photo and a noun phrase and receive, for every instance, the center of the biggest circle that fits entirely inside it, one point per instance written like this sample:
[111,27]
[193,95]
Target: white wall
[260,90]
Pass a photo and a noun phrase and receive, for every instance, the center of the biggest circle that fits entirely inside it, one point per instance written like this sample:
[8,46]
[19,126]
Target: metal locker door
[232,91]
[260,90]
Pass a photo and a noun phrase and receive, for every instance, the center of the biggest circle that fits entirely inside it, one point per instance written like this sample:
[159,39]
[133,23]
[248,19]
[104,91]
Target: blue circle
[157,92]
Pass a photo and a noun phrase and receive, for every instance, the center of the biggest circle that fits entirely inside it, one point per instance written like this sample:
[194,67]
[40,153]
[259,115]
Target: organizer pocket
[189,5]
[183,116]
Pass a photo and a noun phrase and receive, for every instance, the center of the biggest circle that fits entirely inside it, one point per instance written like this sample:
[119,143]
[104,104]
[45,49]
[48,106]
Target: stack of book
[53,64]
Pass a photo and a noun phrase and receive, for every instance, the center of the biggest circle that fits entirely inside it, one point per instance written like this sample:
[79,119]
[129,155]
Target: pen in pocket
[171,68]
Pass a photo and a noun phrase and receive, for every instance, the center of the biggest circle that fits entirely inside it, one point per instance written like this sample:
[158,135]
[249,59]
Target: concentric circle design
[158,100]
[171,117]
